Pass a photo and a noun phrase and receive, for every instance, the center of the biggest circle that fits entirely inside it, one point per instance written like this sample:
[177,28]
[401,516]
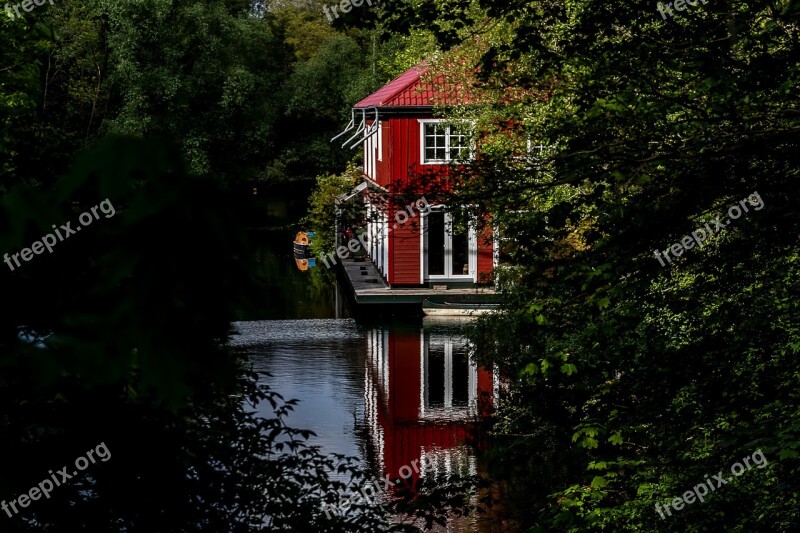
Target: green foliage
[305,31]
[322,206]
[246,97]
[118,336]
[165,226]
[327,81]
[401,52]
[319,96]
[673,372]
[23,42]
[200,75]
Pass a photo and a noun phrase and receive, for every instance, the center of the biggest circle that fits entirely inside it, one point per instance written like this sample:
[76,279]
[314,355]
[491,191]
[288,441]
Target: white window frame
[537,151]
[448,158]
[380,141]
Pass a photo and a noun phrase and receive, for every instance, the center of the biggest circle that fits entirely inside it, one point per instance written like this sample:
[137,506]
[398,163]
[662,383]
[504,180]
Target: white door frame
[448,253]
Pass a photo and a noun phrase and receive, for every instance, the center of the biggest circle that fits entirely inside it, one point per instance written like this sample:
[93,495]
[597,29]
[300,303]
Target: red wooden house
[402,138]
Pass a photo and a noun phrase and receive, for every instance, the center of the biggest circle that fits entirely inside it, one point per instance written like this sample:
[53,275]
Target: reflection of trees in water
[136,311]
[210,466]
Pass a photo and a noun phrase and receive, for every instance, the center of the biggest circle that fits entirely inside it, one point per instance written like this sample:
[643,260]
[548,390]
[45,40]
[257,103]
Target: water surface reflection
[391,394]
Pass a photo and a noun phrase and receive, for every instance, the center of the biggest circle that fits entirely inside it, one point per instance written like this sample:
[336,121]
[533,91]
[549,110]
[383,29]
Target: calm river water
[388,392]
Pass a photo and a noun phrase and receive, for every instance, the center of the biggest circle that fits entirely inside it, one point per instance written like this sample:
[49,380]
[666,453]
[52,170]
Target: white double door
[449,250]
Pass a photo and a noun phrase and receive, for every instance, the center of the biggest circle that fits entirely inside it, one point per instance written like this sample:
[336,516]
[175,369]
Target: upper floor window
[443,142]
[540,152]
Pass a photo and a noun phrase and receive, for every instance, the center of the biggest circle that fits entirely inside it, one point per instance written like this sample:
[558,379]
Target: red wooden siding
[404,252]
[401,159]
[485,256]
[406,149]
[384,167]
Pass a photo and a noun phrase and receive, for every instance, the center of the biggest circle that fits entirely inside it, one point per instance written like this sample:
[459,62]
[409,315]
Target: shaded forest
[607,135]
[167,110]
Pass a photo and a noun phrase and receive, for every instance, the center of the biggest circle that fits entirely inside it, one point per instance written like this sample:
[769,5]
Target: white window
[443,142]
[539,152]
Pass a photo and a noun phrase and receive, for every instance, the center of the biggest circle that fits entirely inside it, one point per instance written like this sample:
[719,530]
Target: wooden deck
[368,287]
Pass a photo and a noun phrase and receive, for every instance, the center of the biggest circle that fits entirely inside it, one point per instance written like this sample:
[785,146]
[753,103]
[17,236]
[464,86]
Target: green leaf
[788,454]
[599,482]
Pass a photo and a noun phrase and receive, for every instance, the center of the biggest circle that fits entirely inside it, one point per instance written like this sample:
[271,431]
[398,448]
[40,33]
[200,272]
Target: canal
[386,390]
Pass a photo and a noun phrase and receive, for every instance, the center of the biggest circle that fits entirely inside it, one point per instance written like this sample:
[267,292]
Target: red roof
[399,92]
[415,88]
[408,90]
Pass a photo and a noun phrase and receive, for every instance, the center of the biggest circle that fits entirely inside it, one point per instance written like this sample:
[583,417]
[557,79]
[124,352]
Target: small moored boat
[302,242]
[434,308]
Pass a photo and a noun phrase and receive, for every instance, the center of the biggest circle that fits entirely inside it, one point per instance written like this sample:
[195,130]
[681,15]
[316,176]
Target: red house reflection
[424,397]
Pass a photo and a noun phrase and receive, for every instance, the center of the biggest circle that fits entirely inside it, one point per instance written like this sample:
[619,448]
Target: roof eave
[387,111]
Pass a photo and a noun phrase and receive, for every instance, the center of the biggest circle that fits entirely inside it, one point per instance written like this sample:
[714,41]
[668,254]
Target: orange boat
[302,242]
[302,251]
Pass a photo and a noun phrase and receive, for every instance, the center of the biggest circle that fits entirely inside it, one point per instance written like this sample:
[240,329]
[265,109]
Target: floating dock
[369,288]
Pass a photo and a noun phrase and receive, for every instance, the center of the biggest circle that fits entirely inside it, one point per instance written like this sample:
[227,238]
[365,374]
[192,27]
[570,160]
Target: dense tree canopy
[635,361]
[247,94]
[630,381]
[119,335]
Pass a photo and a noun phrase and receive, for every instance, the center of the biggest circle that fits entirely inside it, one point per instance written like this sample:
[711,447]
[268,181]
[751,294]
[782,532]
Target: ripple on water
[306,331]
[320,363]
